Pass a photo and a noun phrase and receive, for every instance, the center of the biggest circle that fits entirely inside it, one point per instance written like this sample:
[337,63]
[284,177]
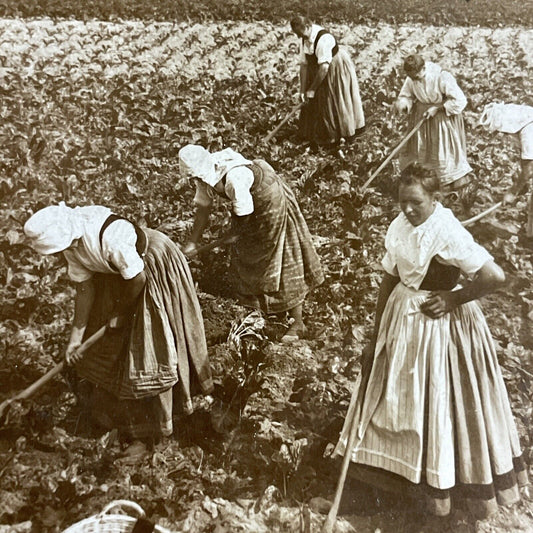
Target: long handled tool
[482,214]
[329,524]
[57,369]
[292,112]
[226,239]
[401,144]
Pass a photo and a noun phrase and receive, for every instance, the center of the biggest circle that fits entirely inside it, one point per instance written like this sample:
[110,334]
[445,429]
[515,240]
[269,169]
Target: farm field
[95,112]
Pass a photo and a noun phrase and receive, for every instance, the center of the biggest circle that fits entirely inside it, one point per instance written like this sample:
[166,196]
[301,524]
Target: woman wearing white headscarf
[273,260]
[518,120]
[136,281]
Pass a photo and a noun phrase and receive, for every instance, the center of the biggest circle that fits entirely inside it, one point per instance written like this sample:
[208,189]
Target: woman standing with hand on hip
[435,418]
[137,282]
[329,86]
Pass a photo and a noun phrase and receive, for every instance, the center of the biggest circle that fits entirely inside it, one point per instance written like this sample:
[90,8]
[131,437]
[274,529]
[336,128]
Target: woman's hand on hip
[438,304]
[309,95]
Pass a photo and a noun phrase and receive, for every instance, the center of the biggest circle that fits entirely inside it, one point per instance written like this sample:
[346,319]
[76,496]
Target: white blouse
[324,47]
[410,249]
[436,87]
[118,247]
[239,181]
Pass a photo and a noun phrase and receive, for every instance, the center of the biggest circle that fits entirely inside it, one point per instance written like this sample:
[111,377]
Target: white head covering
[227,159]
[507,118]
[196,161]
[210,168]
[53,229]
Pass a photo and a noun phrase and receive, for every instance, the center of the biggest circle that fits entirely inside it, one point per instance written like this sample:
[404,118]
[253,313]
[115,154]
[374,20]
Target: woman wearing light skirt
[440,143]
[433,415]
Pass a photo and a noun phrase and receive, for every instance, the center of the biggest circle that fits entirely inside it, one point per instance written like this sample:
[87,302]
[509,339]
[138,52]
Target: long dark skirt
[336,111]
[160,357]
[274,261]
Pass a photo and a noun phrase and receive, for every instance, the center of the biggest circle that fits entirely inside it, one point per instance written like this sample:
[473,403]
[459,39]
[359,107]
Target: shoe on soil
[294,333]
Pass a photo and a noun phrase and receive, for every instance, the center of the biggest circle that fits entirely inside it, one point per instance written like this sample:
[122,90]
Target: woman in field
[518,120]
[435,418]
[440,143]
[273,261]
[328,86]
[137,282]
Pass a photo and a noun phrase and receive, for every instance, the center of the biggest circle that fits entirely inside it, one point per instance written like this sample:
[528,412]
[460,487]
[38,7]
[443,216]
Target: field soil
[94,112]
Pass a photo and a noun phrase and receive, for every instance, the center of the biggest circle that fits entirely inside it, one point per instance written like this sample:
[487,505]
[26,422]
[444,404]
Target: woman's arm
[454,99]
[201,220]
[82,307]
[132,288]
[303,78]
[404,102]
[488,278]
[321,74]
[520,183]
[387,285]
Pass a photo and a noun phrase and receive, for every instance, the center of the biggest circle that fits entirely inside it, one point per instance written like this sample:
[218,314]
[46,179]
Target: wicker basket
[105,522]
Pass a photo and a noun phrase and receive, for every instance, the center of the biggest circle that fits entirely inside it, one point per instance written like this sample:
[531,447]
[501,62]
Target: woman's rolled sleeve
[324,49]
[119,246]
[455,100]
[238,184]
[463,252]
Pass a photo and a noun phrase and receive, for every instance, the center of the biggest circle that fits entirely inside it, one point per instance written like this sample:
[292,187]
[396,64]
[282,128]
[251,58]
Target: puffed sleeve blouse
[116,254]
[410,249]
[324,47]
[436,87]
[233,170]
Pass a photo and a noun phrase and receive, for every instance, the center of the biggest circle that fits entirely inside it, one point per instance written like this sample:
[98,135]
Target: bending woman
[328,85]
[440,143]
[273,261]
[435,414]
[136,281]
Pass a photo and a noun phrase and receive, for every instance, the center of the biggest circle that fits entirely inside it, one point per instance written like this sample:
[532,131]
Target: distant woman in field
[440,144]
[328,85]
[273,261]
[435,415]
[518,120]
[137,282]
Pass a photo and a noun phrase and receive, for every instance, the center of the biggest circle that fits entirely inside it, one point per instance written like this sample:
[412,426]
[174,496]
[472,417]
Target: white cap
[52,229]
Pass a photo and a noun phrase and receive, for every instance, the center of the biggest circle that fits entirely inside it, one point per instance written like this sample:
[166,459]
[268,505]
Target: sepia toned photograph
[266,266]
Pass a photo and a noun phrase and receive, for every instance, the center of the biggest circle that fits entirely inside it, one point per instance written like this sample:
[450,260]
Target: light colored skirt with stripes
[336,111]
[160,358]
[435,411]
[274,263]
[439,145]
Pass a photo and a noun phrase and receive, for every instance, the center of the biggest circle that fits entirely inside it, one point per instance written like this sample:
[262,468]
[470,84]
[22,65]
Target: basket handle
[124,503]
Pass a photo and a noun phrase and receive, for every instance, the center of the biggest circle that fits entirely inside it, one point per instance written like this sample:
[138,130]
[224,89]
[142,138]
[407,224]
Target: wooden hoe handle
[329,524]
[292,112]
[393,153]
[57,369]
